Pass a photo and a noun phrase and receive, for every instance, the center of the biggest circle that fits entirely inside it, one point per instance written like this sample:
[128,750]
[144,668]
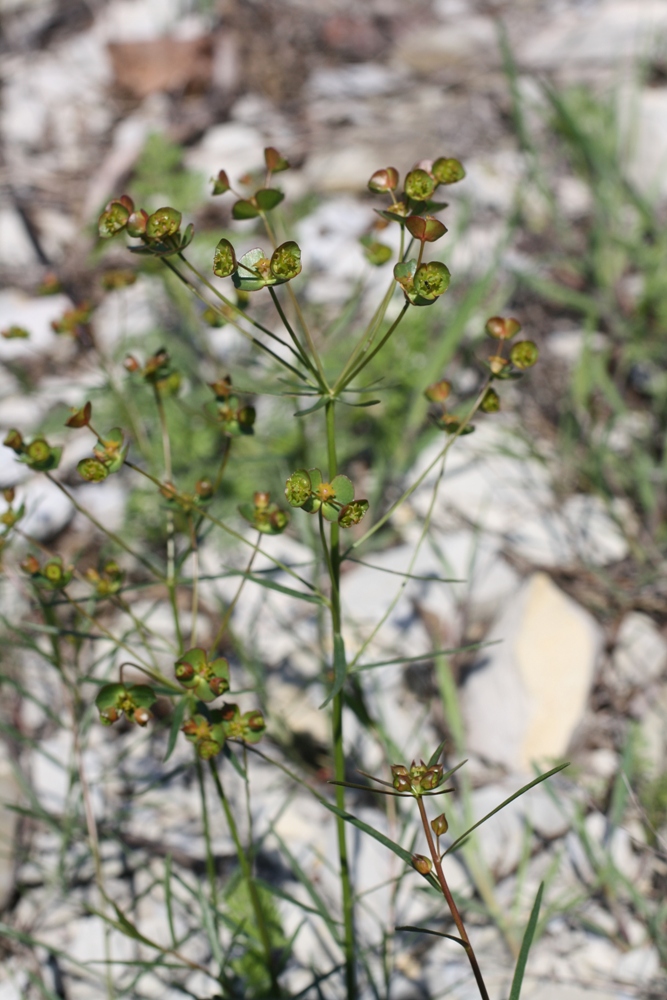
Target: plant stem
[453,909]
[171,541]
[228,613]
[288,326]
[255,899]
[378,347]
[114,538]
[333,560]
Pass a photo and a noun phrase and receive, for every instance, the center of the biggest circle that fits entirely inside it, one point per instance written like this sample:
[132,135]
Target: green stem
[417,483]
[378,347]
[299,314]
[288,326]
[171,540]
[333,559]
[228,614]
[210,859]
[255,899]
[114,538]
[195,291]
[453,909]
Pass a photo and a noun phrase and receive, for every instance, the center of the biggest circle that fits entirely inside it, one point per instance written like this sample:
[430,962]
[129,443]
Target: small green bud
[439,825]
[286,261]
[113,219]
[275,162]
[438,391]
[163,223]
[447,170]
[384,180]
[14,440]
[426,229]
[221,183]
[491,402]
[401,778]
[224,260]
[502,328]
[419,185]
[352,513]
[422,864]
[80,418]
[431,280]
[136,224]
[298,488]
[524,354]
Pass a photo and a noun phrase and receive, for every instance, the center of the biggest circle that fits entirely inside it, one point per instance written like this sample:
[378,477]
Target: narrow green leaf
[435,756]
[528,936]
[340,669]
[272,585]
[311,409]
[531,784]
[425,656]
[168,900]
[176,723]
[426,930]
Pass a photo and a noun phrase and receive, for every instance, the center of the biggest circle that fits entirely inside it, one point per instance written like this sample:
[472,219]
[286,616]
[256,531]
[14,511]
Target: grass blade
[531,784]
[528,936]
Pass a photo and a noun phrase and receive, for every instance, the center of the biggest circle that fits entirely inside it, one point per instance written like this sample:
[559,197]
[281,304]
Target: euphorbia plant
[200,675]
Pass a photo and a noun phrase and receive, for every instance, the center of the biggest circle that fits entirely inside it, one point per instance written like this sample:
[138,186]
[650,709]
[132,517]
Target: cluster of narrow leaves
[306,489]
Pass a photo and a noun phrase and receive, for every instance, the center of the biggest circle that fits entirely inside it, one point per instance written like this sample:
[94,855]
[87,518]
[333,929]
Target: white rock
[640,653]
[105,501]
[11,472]
[48,510]
[524,701]
[600,35]
[466,41]
[643,118]
[138,20]
[582,531]
[128,312]
[570,345]
[653,730]
[502,838]
[341,168]
[16,248]
[492,181]
[354,81]
[35,315]
[233,147]
[490,479]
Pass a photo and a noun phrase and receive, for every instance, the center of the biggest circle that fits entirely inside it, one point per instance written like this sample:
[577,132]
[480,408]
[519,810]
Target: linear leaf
[340,669]
[425,930]
[528,936]
[272,585]
[502,805]
[425,656]
[176,722]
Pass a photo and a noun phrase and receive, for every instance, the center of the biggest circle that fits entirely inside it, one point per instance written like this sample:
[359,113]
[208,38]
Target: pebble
[640,653]
[233,147]
[524,699]
[35,315]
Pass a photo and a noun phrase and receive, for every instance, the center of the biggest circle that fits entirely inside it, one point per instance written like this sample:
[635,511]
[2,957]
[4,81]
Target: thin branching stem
[453,909]
[116,539]
[253,892]
[228,613]
[333,560]
[171,534]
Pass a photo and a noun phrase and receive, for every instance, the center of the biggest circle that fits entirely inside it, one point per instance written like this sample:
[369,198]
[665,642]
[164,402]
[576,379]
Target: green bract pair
[38,455]
[267,517]
[305,488]
[208,732]
[255,270]
[206,679]
[134,702]
[110,453]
